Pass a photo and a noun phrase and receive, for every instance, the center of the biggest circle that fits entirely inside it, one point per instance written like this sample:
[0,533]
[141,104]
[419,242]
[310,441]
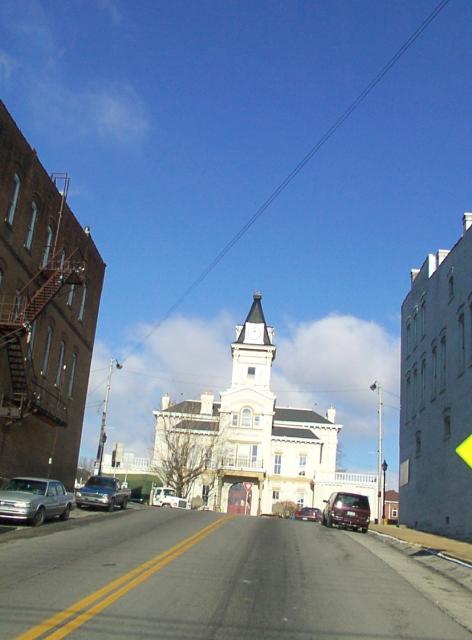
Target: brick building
[51,277]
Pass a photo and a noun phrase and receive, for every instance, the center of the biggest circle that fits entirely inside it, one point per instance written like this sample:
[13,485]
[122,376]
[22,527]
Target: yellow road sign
[464,450]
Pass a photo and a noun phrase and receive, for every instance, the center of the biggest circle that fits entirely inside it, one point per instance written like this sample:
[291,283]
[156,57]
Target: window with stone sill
[277,463]
[446,425]
[70,296]
[82,302]
[47,351]
[442,363]
[31,226]
[434,371]
[246,417]
[70,388]
[450,287]
[423,319]
[15,193]
[60,364]
[422,382]
[47,246]
[470,334]
[275,495]
[461,344]
[417,444]
[415,330]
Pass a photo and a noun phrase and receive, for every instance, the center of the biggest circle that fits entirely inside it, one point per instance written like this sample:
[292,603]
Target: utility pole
[103,436]
[377,386]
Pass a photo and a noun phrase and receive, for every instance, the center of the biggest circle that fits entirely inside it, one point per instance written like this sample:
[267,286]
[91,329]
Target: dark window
[352,500]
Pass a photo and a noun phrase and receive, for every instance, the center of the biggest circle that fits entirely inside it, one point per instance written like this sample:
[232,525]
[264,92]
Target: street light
[103,436]
[377,387]
[384,469]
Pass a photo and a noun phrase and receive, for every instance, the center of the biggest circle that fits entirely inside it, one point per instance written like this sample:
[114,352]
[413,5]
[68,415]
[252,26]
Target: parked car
[104,492]
[347,510]
[34,500]
[310,514]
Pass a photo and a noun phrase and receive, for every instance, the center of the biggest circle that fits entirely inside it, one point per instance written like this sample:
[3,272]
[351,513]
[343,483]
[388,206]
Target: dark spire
[255,316]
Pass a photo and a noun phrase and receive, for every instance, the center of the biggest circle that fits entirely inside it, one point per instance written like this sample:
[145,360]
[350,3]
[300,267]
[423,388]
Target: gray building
[436,398]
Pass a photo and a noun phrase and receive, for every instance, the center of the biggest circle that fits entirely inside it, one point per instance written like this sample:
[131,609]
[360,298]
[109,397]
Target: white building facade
[436,398]
[266,454]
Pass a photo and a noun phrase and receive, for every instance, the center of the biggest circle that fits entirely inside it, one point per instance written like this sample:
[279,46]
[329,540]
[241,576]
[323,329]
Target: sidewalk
[437,544]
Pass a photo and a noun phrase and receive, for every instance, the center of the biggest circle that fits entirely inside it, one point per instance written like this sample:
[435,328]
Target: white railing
[356,478]
[129,466]
[241,462]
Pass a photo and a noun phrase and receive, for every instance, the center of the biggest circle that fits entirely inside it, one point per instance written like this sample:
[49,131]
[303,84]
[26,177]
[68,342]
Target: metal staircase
[16,318]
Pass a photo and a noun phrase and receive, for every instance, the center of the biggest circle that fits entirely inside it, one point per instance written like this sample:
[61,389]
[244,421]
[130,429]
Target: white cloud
[116,112]
[334,361]
[7,65]
[111,7]
[329,361]
[112,110]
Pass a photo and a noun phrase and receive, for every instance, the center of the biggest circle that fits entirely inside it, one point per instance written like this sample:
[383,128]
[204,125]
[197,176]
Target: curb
[456,569]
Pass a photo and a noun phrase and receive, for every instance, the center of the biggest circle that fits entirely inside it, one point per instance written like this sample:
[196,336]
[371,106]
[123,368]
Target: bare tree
[84,469]
[186,449]
[285,508]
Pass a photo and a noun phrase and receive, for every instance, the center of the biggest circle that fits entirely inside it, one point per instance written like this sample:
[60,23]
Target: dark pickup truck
[104,492]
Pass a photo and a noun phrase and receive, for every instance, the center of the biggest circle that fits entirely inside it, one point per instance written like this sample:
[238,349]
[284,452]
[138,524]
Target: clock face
[254,332]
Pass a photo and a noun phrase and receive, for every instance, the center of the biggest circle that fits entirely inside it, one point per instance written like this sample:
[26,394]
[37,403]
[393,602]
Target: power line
[296,170]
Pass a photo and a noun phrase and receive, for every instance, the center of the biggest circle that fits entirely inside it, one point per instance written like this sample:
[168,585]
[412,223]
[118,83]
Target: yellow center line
[82,610]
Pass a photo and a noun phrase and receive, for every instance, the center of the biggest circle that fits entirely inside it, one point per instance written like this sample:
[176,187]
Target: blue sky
[176,120]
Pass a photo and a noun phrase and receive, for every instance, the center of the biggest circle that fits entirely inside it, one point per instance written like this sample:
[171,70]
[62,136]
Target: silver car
[34,500]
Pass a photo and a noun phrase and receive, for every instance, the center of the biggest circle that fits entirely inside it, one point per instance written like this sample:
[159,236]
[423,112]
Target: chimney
[331,414]
[467,221]
[207,403]
[441,255]
[413,274]
[165,402]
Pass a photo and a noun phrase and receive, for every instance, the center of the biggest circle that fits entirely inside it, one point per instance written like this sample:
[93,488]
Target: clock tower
[253,350]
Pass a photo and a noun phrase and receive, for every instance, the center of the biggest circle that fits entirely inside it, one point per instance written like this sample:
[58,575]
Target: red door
[240,498]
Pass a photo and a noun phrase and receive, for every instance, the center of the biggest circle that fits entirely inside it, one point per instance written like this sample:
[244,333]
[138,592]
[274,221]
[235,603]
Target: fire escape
[28,396]
[17,317]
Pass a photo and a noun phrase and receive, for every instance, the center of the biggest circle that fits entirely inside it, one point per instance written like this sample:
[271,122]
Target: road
[178,575]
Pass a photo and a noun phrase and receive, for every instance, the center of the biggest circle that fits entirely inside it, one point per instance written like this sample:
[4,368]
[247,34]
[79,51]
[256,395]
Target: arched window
[246,417]
[47,246]
[15,192]
[31,226]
